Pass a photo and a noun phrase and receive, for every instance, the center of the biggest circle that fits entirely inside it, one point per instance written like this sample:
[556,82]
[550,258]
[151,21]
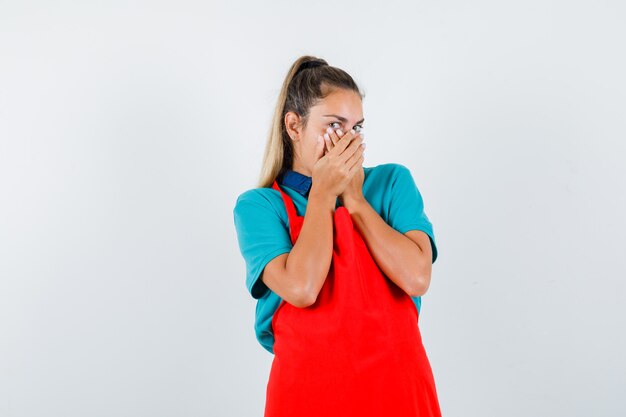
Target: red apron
[357,351]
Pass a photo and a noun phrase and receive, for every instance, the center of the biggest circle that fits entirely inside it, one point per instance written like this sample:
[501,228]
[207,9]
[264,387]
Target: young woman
[338,256]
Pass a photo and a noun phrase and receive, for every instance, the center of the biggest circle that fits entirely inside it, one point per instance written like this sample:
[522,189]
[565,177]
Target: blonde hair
[308,80]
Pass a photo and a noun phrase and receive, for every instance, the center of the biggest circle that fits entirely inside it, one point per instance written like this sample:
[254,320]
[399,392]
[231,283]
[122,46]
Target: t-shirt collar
[297,181]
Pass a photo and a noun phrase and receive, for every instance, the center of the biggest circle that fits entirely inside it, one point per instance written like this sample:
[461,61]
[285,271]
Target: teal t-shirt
[262,229]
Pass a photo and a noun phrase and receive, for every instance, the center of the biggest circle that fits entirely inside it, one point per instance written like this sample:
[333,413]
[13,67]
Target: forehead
[341,102]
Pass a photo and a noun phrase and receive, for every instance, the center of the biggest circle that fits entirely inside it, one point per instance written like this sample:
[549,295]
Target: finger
[354,169]
[358,164]
[350,149]
[338,134]
[329,143]
[346,139]
[356,155]
[319,147]
[339,147]
[332,135]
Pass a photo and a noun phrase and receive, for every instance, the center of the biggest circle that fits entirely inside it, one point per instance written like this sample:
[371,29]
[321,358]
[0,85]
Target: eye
[357,128]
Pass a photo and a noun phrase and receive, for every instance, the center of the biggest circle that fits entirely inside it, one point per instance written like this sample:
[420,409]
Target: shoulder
[261,195]
[259,201]
[387,174]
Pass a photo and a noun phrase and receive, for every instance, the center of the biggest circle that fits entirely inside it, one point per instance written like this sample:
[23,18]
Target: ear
[292,125]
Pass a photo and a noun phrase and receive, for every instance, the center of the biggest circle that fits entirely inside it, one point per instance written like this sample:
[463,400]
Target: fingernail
[329,129]
[339,132]
[352,131]
[326,136]
[363,144]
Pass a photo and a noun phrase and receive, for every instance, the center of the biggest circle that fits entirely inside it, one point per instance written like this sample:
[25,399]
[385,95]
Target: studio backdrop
[128,129]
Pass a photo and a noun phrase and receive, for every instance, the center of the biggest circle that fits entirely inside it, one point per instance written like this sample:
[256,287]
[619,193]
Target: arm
[298,276]
[403,258]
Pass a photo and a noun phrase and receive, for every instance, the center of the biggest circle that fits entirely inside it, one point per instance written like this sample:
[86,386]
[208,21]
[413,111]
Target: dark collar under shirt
[297,181]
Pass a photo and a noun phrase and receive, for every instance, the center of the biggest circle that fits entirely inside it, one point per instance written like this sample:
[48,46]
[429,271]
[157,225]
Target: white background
[128,129]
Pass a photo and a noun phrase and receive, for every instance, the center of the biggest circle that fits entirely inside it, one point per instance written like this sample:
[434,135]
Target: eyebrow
[343,119]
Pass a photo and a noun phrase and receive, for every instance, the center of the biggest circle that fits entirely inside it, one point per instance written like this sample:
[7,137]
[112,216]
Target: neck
[301,169]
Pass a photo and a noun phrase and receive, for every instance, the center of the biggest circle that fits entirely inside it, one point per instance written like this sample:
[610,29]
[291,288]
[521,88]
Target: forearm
[398,257]
[310,258]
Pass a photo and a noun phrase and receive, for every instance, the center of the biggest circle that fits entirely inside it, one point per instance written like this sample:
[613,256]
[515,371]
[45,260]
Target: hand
[335,168]
[354,190]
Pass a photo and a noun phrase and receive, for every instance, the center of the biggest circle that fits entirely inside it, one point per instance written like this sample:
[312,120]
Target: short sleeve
[262,235]
[406,206]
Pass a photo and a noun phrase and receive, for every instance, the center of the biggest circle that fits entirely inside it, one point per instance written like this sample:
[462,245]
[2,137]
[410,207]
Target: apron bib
[357,351]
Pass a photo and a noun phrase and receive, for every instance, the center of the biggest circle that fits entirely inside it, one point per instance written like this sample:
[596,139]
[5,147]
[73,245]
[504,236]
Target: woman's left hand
[354,190]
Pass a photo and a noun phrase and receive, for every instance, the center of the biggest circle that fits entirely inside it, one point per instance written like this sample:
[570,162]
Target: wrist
[354,203]
[322,197]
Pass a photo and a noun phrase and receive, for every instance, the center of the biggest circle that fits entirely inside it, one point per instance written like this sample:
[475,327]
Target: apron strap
[289,205]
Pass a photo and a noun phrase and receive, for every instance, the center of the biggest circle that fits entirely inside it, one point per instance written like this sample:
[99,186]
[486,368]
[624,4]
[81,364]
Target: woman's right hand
[333,171]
